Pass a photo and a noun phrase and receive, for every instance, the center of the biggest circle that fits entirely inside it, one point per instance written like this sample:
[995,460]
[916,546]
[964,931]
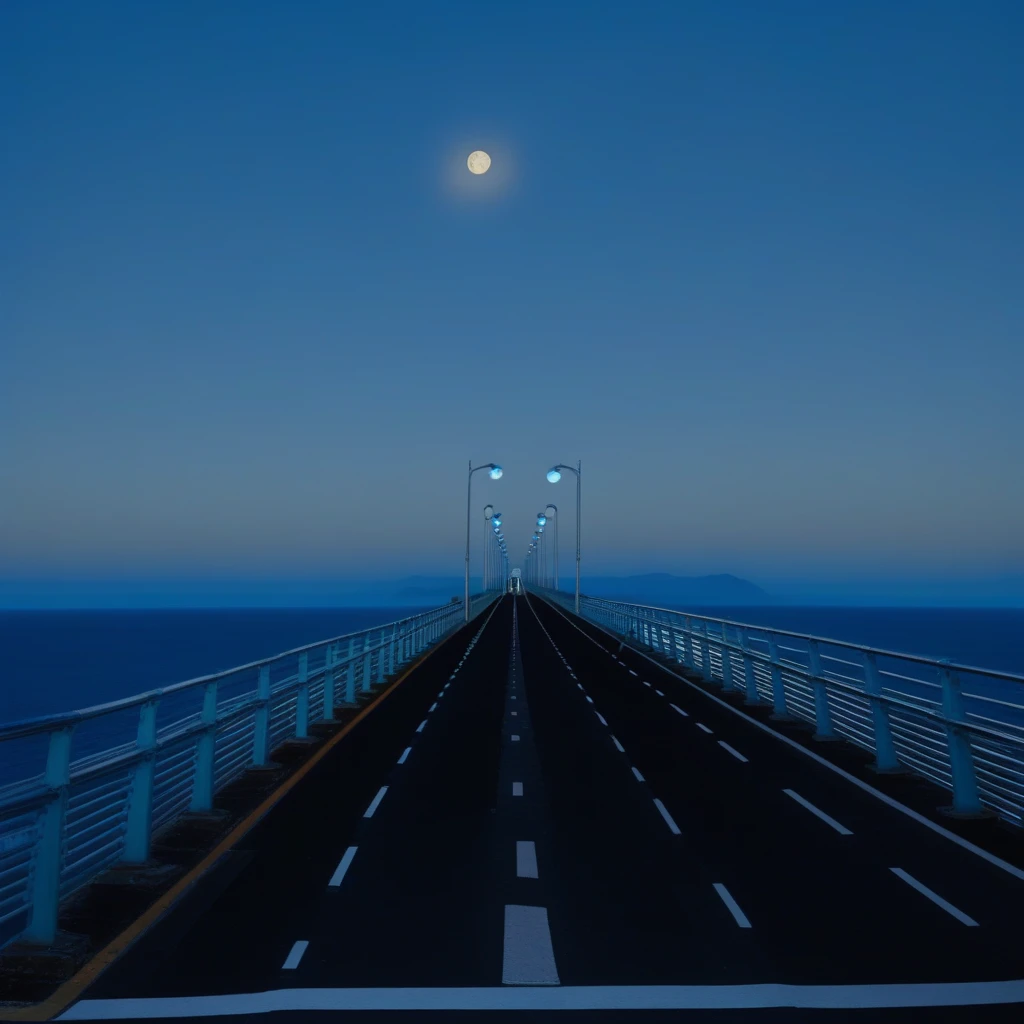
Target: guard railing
[94,786]
[959,726]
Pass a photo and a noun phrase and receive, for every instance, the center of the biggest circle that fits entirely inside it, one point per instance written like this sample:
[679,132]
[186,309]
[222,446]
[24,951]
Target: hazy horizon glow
[759,271]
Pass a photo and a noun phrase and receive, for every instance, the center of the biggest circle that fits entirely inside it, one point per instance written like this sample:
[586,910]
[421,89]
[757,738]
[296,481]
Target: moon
[478,162]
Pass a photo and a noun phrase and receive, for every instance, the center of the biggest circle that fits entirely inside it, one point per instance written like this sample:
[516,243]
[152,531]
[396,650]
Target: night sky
[757,265]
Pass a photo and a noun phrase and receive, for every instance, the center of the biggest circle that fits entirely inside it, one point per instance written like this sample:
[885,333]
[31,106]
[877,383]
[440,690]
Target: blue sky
[757,265]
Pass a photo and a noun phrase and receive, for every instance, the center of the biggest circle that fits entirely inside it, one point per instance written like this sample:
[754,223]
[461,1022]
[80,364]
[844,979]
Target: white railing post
[885,750]
[261,729]
[302,699]
[365,661]
[329,680]
[687,643]
[705,652]
[44,881]
[350,676]
[139,824]
[778,689]
[727,680]
[822,712]
[206,749]
[672,645]
[966,800]
[749,675]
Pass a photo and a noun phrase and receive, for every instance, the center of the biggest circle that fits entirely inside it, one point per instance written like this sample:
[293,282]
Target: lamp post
[554,475]
[495,474]
[488,515]
[554,508]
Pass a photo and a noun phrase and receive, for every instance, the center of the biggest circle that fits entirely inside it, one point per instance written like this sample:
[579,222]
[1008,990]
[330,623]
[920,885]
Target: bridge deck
[534,816]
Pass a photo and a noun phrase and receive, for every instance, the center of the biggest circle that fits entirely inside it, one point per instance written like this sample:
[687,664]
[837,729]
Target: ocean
[54,661]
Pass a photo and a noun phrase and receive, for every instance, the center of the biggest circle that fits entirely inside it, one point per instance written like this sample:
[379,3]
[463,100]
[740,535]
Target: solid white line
[675,707]
[601,717]
[618,745]
[735,753]
[376,802]
[528,958]
[343,864]
[517,789]
[631,672]
[701,725]
[569,997]
[964,844]
[295,955]
[526,859]
[432,707]
[405,754]
[734,907]
[841,829]
[934,897]
[639,777]
[515,739]
[668,817]
[419,728]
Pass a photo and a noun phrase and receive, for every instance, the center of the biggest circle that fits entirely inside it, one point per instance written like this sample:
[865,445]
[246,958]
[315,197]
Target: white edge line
[405,754]
[965,844]
[934,897]
[639,777]
[343,865]
[568,997]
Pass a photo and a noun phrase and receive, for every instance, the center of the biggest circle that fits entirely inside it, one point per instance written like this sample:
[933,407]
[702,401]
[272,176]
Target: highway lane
[238,927]
[533,820]
[806,856]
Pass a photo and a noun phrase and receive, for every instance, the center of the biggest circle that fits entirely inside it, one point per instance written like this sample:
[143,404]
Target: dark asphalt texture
[628,902]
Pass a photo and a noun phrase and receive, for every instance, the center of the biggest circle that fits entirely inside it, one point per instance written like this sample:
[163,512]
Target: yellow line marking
[72,989]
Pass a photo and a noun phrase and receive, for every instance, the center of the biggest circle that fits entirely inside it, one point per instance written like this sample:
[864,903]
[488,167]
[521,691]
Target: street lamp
[554,475]
[495,474]
[554,508]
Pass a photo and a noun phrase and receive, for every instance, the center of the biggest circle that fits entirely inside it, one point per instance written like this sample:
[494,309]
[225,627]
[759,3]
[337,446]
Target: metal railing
[959,726]
[99,783]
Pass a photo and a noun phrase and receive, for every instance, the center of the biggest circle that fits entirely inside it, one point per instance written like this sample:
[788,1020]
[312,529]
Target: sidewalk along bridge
[626,814]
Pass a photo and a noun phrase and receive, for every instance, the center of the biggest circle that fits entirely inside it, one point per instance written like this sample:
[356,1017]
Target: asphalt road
[537,827]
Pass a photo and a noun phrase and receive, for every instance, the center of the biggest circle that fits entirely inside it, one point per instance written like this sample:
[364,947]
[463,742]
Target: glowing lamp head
[495,473]
[554,476]
[542,520]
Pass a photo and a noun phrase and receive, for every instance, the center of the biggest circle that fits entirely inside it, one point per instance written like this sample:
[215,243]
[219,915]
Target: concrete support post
[885,750]
[261,733]
[966,799]
[44,882]
[822,712]
[202,779]
[778,690]
[139,824]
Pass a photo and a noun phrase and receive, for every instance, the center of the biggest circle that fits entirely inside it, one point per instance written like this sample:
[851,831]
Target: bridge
[627,814]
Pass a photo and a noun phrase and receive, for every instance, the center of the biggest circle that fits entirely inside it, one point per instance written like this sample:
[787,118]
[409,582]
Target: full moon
[478,162]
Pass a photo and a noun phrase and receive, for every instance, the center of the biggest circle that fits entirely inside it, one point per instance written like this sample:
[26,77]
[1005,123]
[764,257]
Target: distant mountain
[662,588]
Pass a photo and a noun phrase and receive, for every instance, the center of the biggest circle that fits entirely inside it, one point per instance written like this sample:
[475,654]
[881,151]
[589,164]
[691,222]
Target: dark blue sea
[54,661]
